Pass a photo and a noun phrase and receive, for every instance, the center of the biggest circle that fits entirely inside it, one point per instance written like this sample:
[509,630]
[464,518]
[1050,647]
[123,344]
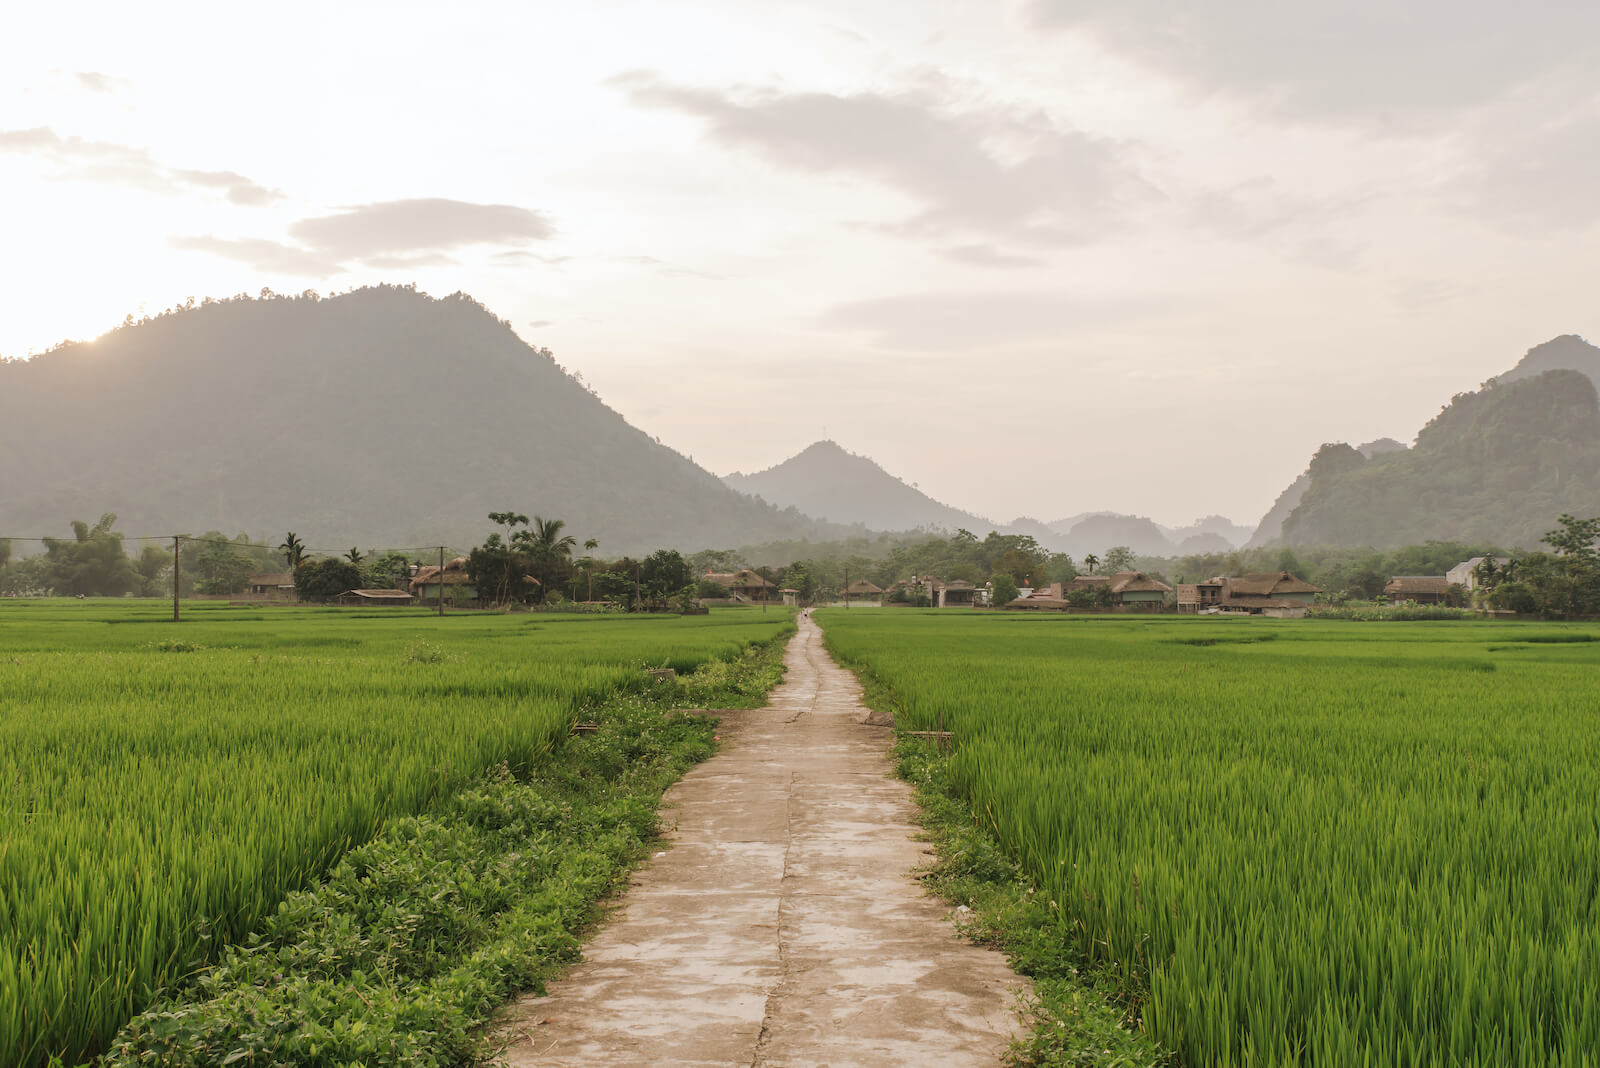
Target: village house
[272,586]
[453,583]
[1277,594]
[1466,572]
[375,597]
[862,590]
[956,593]
[1419,589]
[744,585]
[1126,589]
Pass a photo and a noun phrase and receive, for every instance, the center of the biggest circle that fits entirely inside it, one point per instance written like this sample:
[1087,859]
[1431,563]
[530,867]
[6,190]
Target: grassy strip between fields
[404,950]
[1080,1017]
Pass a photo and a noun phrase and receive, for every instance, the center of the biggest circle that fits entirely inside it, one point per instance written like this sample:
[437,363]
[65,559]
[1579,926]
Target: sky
[1037,257]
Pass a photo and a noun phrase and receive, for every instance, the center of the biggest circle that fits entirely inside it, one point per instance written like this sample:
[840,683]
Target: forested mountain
[382,417]
[1270,529]
[1498,465]
[825,481]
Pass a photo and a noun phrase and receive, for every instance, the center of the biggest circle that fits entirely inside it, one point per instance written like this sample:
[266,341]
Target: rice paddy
[1288,842]
[163,786]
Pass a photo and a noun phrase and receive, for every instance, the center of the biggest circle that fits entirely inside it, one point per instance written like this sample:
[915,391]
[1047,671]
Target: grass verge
[402,952]
[1081,1018]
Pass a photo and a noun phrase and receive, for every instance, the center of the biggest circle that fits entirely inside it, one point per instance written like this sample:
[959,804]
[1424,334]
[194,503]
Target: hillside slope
[1498,466]
[382,417]
[1270,529]
[825,481]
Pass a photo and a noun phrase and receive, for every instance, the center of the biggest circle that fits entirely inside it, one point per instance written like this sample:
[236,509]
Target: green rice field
[1288,842]
[163,786]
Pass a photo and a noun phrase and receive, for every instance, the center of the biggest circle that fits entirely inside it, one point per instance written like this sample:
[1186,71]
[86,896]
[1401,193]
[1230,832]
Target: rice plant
[156,806]
[1344,844]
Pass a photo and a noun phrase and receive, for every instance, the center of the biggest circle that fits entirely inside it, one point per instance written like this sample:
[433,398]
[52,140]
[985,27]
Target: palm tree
[354,556]
[293,550]
[1090,561]
[548,547]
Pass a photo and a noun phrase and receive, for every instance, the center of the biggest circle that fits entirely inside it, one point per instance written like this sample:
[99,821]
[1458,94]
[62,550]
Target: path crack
[776,995]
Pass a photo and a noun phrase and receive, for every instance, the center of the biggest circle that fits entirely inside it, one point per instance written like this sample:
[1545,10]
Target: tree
[323,580]
[154,567]
[1002,589]
[1091,561]
[219,566]
[549,550]
[389,571]
[293,550]
[1118,558]
[93,564]
[5,552]
[665,574]
[354,556]
[1575,538]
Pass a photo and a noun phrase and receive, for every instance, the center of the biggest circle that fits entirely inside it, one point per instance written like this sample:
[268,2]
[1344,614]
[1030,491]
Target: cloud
[106,161]
[96,82]
[390,235]
[977,321]
[1363,60]
[424,225]
[988,256]
[268,257]
[671,270]
[1540,175]
[988,170]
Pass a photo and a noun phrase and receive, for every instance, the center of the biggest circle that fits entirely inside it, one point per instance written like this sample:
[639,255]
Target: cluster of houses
[1276,594]
[425,585]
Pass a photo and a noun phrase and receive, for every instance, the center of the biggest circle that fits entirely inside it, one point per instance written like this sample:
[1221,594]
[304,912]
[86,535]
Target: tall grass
[1342,846]
[162,787]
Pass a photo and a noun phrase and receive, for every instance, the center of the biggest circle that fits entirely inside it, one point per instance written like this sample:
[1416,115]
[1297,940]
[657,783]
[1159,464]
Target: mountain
[379,418]
[1494,467]
[825,481]
[1210,530]
[1097,533]
[1567,352]
[1270,529]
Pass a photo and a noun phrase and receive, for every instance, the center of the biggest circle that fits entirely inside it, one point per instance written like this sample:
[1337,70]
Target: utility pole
[847,587]
[175,577]
[636,603]
[440,582]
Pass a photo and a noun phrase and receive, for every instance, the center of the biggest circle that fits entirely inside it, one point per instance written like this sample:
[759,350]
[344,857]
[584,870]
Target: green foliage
[666,579]
[218,565]
[1002,589]
[1117,558]
[168,804]
[93,564]
[387,572]
[293,549]
[323,580]
[1300,851]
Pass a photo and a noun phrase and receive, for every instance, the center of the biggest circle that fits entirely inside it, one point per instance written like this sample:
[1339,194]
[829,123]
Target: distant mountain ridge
[825,481]
[378,418]
[1497,465]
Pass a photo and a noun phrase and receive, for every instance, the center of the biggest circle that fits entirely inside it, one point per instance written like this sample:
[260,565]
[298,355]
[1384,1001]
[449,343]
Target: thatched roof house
[863,588]
[743,584]
[380,597]
[1419,589]
[1271,593]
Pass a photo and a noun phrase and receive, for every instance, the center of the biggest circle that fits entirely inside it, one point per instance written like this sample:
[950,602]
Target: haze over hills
[825,481]
[1496,465]
[1270,528]
[379,418]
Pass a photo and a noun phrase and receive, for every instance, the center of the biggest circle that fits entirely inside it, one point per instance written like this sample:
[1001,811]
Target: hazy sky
[1037,256]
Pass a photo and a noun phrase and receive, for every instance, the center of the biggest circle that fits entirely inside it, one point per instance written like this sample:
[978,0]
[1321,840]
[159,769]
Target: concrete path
[782,925]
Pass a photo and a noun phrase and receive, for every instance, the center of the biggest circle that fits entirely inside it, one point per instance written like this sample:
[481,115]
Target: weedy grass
[158,809]
[1352,844]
